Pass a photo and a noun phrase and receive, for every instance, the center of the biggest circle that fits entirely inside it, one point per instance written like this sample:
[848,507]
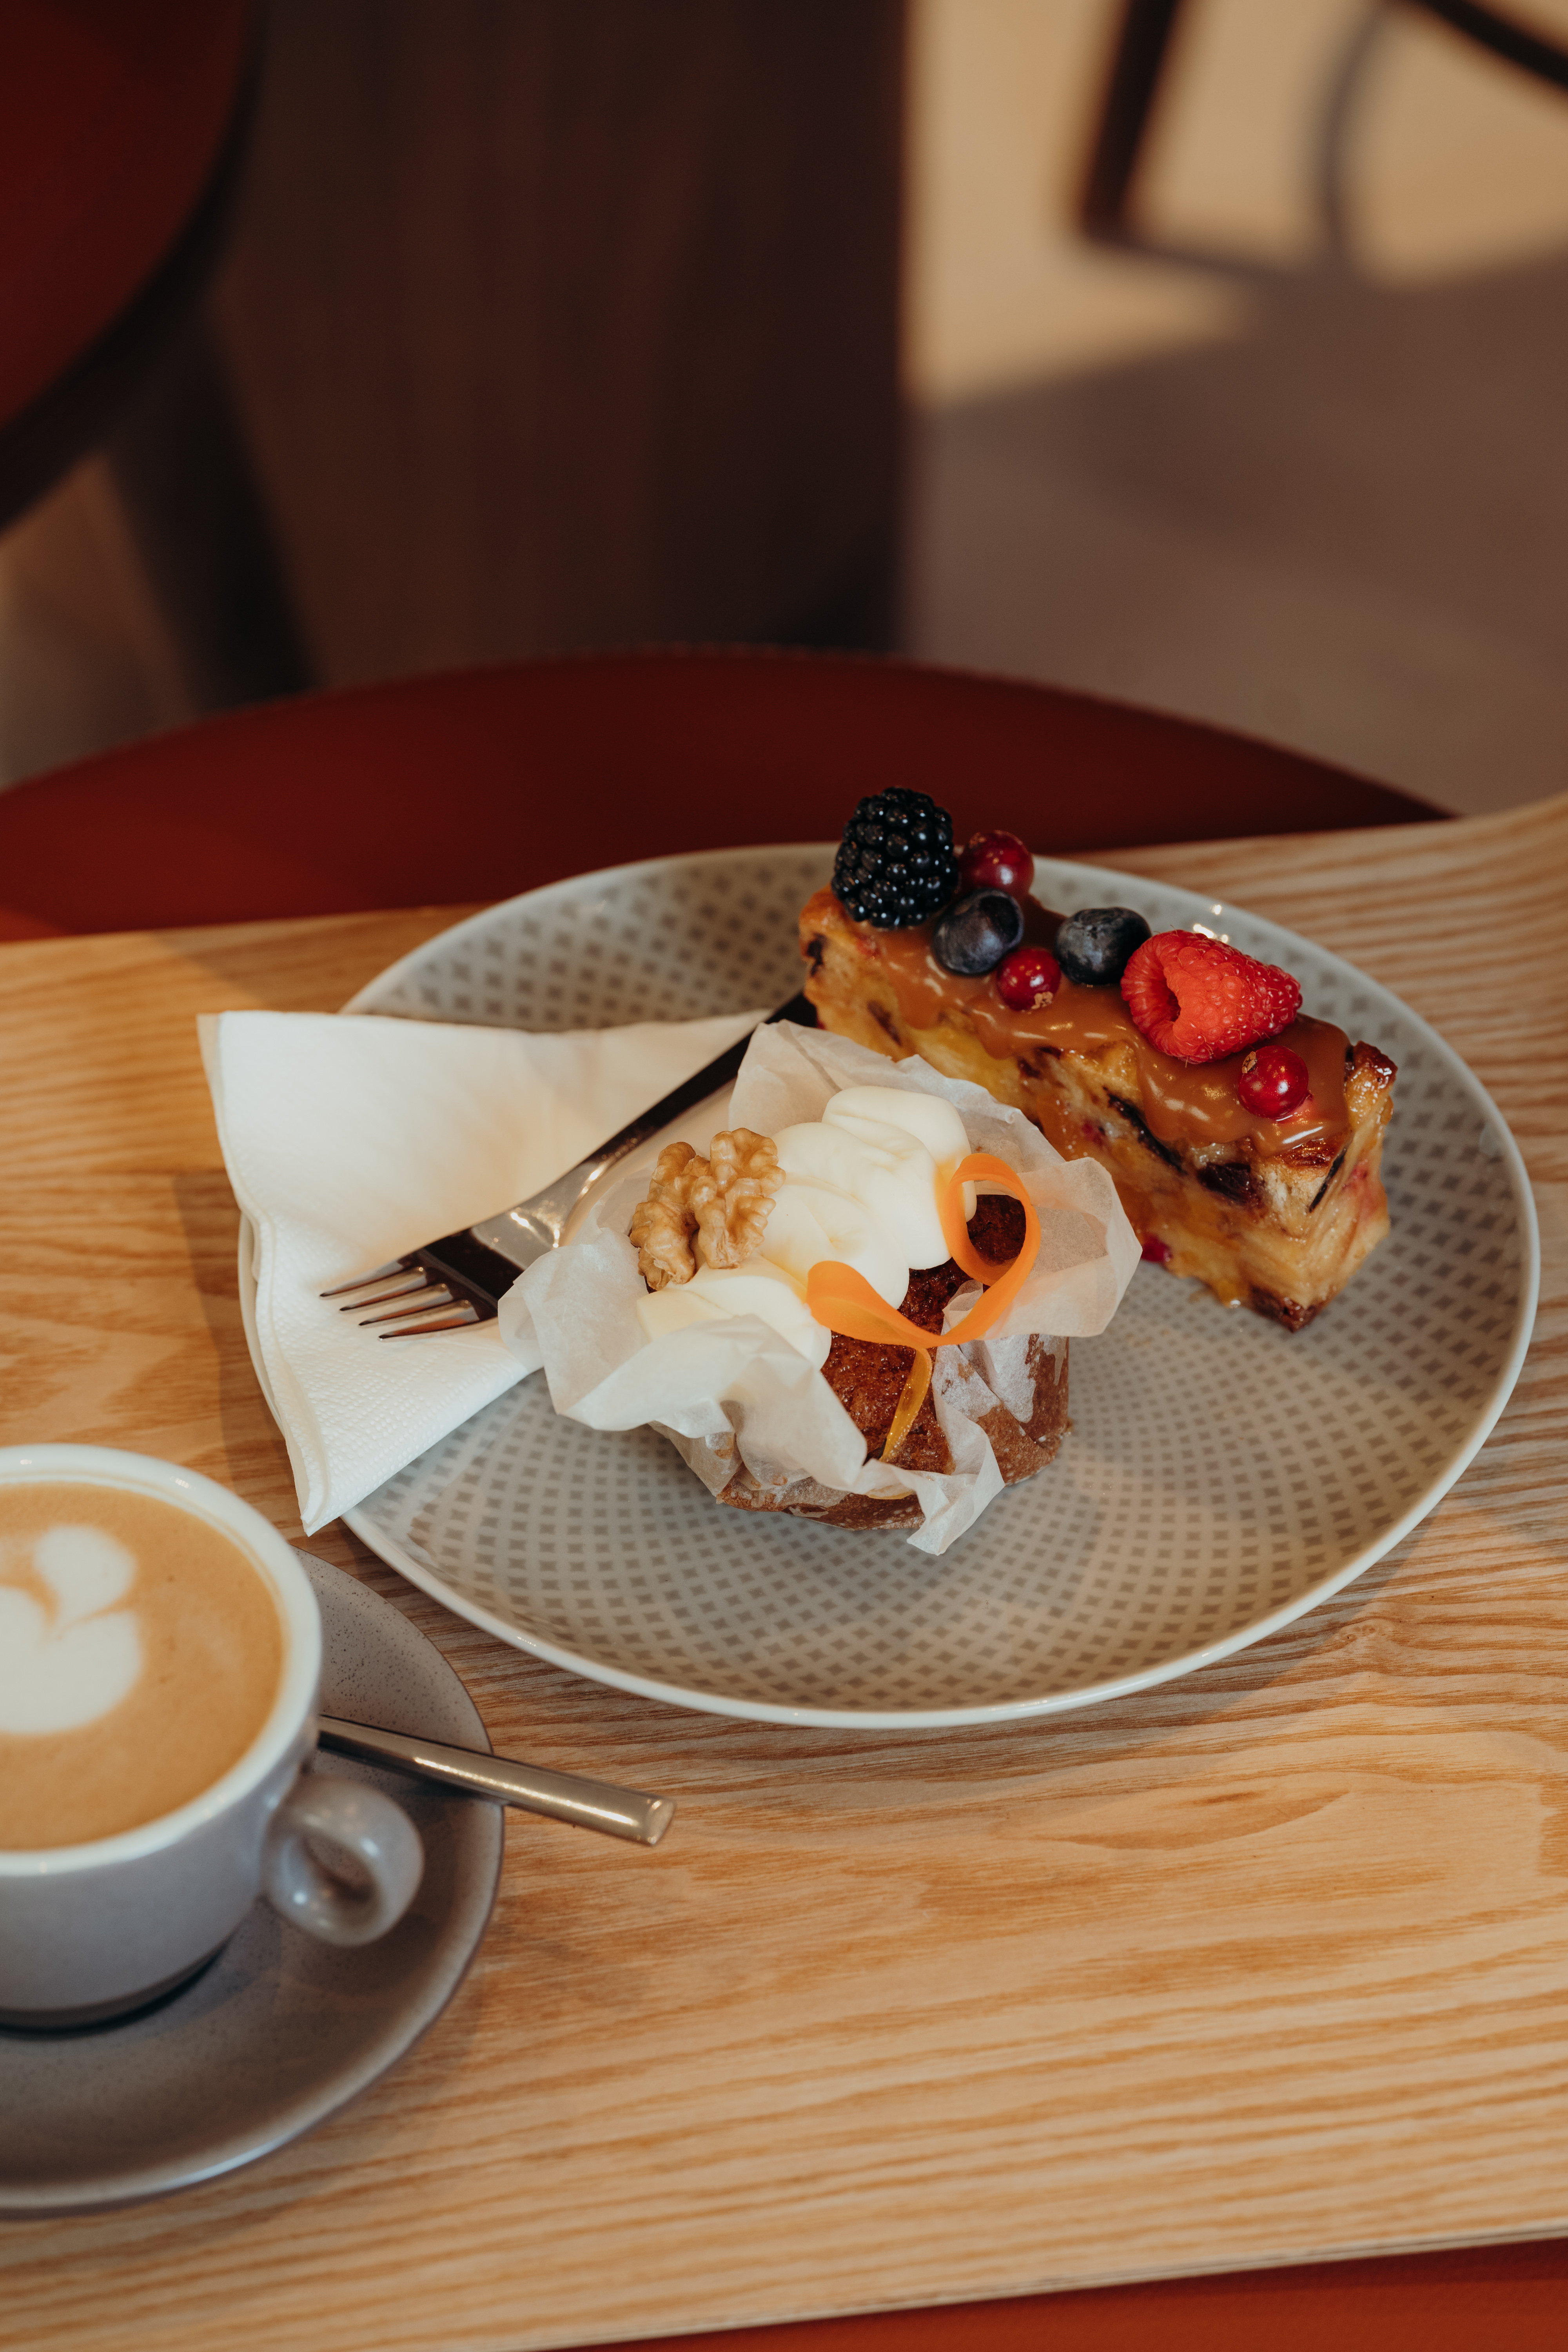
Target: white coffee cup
[90,1931]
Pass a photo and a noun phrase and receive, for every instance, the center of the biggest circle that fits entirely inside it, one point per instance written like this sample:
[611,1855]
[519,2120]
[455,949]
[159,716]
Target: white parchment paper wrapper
[735,1391]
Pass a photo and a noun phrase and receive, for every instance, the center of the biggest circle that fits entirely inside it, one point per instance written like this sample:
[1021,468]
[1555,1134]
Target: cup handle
[366,1825]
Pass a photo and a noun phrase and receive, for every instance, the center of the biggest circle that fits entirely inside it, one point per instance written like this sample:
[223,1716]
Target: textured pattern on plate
[1220,1472]
[676,940]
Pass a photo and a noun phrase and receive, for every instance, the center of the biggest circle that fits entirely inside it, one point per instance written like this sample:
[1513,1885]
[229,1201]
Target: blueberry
[1095,946]
[973,936]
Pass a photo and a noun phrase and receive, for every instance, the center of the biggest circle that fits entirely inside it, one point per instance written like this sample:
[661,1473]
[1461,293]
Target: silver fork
[462,1277]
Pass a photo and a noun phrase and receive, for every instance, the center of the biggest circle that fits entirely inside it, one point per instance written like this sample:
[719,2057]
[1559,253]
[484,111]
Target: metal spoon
[589,1804]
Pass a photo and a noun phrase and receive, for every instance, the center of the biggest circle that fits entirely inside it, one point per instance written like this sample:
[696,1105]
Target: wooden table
[1265,1965]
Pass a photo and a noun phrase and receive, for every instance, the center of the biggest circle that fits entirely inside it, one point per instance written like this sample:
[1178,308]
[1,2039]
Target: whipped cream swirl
[861,1186]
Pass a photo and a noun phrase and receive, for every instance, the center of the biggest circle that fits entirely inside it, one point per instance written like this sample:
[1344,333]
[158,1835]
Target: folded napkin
[350,1140]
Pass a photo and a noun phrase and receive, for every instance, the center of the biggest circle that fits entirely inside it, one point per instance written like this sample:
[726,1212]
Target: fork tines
[426,1305]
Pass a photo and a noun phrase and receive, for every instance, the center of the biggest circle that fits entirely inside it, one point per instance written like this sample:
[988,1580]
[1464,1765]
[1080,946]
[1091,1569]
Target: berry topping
[895,864]
[1198,1000]
[1154,1251]
[1093,946]
[996,861]
[1028,979]
[1274,1082]
[973,936]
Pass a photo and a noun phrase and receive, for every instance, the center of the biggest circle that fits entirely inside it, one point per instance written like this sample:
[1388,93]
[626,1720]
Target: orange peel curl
[846,1302]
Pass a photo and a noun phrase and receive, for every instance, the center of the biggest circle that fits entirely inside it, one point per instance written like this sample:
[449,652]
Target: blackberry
[895,864]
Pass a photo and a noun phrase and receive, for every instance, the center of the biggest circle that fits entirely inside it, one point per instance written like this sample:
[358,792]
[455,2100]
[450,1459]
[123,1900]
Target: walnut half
[663,1224]
[732,1200]
[705,1212]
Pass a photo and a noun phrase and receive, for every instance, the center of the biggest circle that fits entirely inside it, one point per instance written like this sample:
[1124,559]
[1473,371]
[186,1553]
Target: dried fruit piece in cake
[1174,1061]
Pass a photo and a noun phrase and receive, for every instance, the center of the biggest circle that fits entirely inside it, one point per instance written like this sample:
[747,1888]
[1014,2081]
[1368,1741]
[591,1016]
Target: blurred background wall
[565,325]
[560,322]
[1311,485]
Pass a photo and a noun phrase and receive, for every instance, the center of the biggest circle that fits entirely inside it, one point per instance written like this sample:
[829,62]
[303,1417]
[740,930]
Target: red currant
[1155,1251]
[1028,979]
[995,861]
[1274,1082]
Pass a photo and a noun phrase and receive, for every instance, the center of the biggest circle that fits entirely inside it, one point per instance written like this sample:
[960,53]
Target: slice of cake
[1245,1137]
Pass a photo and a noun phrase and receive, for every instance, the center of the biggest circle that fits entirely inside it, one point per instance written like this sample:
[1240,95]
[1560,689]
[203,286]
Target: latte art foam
[140,1651]
[73,1656]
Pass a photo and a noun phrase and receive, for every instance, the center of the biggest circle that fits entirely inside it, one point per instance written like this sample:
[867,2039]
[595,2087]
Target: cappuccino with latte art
[160,1671]
[141,1653]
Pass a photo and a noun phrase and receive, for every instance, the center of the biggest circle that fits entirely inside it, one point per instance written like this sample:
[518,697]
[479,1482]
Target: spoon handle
[589,1804]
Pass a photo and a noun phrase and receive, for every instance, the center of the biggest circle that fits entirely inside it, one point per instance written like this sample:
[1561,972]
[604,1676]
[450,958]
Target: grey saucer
[280,2030]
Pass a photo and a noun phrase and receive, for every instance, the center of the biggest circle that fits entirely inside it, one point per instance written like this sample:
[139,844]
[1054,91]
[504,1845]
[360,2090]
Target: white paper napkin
[350,1140]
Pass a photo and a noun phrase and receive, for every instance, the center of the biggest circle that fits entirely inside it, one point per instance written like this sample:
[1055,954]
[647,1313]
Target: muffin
[760,1224]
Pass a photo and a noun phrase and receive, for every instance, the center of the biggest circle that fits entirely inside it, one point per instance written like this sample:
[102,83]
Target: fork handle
[525,1233]
[480,1264]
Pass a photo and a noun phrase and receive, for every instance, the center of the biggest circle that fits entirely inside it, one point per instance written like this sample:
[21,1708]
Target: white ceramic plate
[1221,1476]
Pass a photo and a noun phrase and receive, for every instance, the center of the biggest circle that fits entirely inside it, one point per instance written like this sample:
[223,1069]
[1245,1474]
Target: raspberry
[1198,1000]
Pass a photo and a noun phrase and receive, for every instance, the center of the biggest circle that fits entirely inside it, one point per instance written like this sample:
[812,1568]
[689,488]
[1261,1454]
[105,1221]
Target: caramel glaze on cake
[1274,1215]
[869,1379]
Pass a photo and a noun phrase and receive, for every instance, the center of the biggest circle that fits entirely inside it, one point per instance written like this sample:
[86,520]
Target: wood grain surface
[1268,1964]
